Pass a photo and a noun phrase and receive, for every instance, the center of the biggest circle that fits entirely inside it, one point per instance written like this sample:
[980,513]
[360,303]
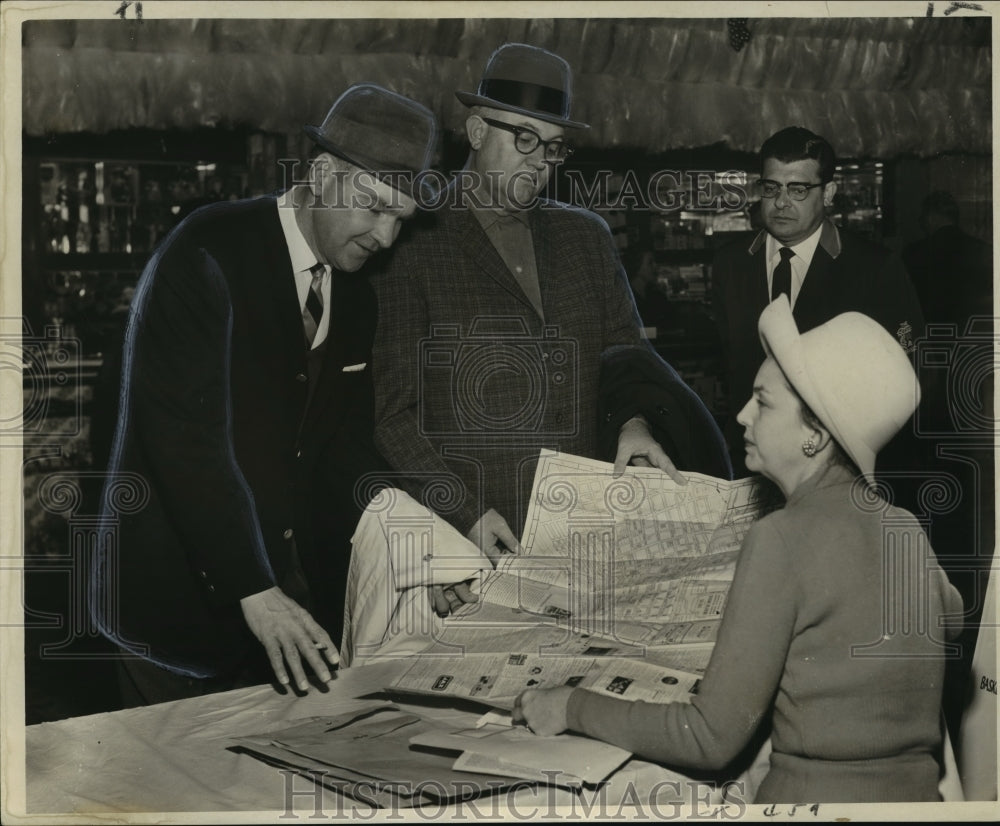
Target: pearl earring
[809,447]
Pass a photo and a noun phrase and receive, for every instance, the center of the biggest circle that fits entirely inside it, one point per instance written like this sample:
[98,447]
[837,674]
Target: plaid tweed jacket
[470,382]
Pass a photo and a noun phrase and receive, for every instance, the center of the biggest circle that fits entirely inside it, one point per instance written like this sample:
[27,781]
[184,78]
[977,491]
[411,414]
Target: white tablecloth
[173,758]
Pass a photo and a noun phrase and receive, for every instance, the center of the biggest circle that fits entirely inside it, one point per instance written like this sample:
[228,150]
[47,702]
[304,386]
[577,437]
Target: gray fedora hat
[528,80]
[382,132]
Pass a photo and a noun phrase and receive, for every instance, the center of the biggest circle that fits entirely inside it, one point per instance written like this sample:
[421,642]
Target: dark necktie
[781,280]
[312,313]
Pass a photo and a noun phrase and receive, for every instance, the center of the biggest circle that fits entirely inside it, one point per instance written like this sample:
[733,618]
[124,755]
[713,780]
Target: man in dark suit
[494,317]
[952,271]
[246,417]
[825,271]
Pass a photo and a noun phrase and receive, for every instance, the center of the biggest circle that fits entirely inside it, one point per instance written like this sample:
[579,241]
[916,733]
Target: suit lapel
[759,296]
[275,314]
[347,325]
[545,261]
[473,239]
[812,301]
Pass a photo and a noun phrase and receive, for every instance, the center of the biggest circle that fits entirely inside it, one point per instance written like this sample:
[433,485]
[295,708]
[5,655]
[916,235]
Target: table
[173,758]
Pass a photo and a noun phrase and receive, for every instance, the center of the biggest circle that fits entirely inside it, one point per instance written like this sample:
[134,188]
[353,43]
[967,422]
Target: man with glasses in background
[493,321]
[824,270]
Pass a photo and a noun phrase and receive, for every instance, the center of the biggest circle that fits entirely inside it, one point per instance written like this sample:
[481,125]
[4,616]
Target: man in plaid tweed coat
[493,320]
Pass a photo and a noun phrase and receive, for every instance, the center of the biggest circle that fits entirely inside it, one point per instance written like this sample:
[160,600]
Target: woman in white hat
[832,618]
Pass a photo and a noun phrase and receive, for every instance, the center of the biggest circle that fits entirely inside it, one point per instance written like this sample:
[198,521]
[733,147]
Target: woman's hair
[838,455]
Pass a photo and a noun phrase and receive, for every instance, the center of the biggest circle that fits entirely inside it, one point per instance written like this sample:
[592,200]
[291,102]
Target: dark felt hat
[384,133]
[527,80]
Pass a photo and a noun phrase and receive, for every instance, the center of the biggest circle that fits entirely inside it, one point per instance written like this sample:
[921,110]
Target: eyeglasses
[796,190]
[527,141]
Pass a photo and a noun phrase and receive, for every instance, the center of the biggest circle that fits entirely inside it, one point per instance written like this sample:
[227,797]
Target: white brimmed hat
[853,375]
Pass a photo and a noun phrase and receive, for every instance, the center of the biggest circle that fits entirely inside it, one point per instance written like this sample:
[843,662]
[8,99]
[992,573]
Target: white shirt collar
[804,250]
[303,258]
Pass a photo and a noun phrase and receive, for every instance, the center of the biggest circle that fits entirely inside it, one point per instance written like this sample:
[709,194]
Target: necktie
[312,313]
[781,281]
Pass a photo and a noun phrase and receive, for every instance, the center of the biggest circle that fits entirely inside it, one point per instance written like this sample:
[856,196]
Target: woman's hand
[543,710]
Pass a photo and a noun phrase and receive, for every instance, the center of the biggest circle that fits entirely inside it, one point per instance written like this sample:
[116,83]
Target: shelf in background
[95,261]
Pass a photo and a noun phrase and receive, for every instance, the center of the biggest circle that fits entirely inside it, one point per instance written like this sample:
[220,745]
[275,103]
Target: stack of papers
[497,747]
[366,755]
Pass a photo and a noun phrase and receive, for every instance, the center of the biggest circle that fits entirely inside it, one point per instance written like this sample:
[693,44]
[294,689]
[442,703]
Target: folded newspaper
[621,586]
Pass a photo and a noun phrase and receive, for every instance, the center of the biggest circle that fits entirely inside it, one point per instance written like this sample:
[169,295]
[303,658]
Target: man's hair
[335,160]
[795,143]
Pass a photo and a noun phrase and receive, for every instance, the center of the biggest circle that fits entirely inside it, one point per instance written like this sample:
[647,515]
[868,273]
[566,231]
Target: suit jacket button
[607,417]
[301,377]
[203,574]
[211,588]
[288,534]
[298,454]
[661,410]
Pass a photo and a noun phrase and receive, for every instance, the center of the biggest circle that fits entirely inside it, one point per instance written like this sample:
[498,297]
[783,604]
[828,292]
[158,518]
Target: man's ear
[326,176]
[319,168]
[475,130]
[829,190]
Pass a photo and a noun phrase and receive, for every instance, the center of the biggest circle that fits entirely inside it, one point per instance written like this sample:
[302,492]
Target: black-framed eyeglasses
[797,190]
[527,141]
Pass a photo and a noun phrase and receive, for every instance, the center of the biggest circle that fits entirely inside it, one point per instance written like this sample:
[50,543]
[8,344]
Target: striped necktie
[312,313]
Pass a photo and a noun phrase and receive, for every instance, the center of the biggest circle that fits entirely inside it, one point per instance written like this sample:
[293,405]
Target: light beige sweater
[831,622]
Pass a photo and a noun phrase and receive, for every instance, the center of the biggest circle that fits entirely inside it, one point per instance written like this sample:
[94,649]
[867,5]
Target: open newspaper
[620,588]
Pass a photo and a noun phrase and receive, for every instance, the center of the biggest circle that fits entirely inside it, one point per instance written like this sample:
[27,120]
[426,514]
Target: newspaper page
[619,577]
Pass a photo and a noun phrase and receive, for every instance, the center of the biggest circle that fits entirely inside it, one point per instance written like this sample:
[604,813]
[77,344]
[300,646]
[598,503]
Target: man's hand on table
[288,632]
[637,446]
[543,710]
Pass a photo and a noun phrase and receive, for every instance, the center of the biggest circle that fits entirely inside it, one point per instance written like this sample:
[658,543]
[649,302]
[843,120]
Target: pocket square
[355,368]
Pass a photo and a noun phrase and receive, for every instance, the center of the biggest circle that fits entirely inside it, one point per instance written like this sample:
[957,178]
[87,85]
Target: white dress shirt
[303,260]
[804,251]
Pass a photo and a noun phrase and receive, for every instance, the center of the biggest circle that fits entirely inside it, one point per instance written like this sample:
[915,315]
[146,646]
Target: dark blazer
[847,273]
[215,420]
[952,272]
[470,382]
[636,378]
